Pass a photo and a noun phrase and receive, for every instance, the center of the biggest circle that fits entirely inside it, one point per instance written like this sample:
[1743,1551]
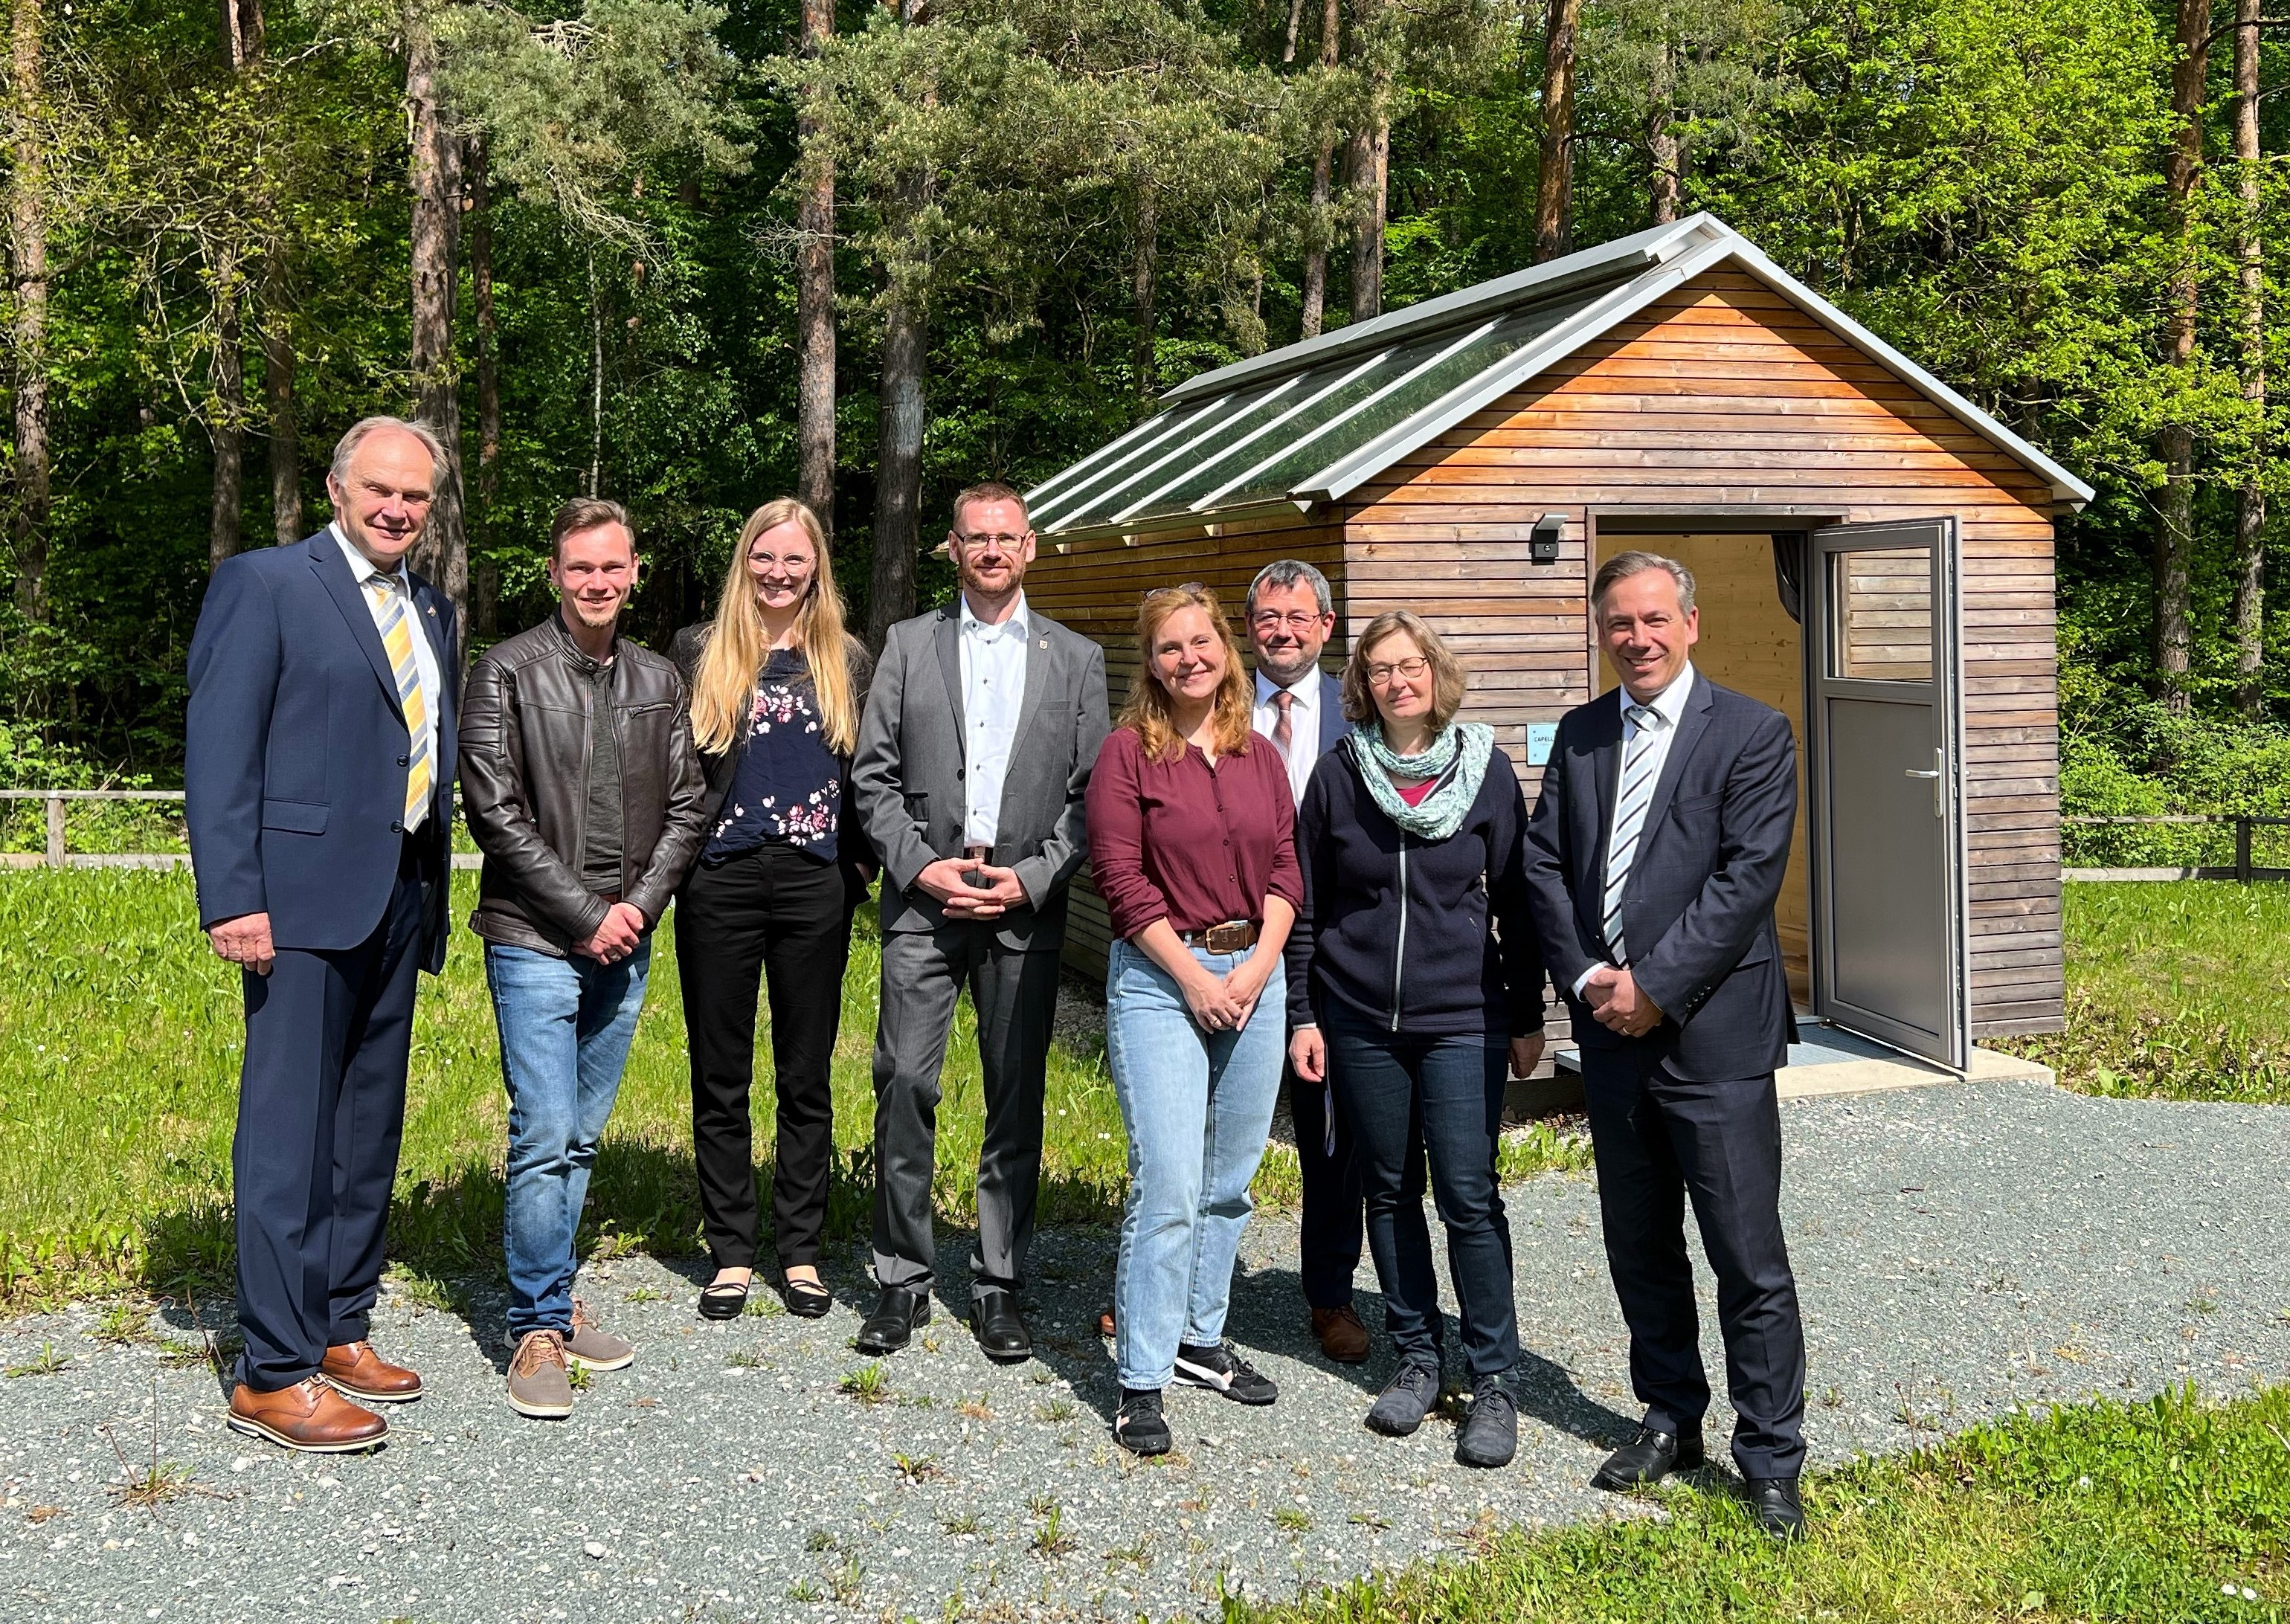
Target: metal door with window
[1888,878]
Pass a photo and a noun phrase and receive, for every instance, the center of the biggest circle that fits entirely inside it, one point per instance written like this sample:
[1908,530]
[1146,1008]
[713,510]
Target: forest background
[692,256]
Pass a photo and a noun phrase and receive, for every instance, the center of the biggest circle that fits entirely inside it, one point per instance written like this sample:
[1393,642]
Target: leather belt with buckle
[977,854]
[1233,936]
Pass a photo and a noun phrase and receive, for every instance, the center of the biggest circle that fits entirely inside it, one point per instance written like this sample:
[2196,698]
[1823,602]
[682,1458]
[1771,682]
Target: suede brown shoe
[1341,1336]
[592,1347]
[364,1375]
[539,1385]
[309,1416]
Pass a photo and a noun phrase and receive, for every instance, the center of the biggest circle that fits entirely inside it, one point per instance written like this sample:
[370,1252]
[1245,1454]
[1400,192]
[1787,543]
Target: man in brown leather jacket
[586,796]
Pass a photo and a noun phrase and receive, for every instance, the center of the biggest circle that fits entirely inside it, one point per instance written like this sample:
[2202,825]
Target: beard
[596,614]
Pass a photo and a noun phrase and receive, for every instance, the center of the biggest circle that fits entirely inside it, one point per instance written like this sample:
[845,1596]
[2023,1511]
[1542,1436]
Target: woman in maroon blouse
[1192,841]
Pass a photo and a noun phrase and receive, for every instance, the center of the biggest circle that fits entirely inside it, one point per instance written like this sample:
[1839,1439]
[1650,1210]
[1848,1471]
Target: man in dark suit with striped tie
[318,767]
[1656,854]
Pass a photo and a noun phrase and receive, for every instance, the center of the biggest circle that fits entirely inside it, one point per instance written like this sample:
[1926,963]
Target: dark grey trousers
[1015,994]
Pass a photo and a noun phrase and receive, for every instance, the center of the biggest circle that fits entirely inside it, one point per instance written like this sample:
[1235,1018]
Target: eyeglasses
[1382,672]
[1295,620]
[1002,539]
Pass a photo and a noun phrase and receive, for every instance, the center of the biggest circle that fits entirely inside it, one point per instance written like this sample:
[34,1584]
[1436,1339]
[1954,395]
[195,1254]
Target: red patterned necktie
[1284,732]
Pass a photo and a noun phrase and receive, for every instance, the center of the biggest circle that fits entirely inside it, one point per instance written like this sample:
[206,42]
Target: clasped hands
[616,937]
[1224,1003]
[1619,1004]
[943,879]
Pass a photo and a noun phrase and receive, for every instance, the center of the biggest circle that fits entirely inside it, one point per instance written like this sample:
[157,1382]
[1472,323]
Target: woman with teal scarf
[1415,986]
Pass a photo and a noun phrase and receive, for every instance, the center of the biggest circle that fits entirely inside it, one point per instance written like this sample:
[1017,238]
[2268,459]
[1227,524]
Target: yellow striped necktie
[398,643]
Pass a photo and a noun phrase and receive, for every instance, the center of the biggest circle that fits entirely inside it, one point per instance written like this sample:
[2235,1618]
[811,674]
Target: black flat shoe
[892,1325]
[725,1300]
[1002,1334]
[1774,1500]
[1648,1459]
[806,1298]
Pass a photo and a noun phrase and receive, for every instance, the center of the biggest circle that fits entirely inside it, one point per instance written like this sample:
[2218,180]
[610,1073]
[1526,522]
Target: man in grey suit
[1656,854]
[979,841]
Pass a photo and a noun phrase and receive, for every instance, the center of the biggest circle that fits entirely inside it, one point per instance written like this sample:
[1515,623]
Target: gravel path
[1960,1250]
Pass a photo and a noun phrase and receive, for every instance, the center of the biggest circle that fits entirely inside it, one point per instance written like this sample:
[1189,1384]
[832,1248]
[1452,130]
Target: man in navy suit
[318,766]
[1655,853]
[1300,707]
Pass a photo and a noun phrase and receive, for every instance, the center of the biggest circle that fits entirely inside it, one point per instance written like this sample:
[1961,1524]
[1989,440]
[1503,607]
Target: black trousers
[779,916]
[1015,994]
[1332,1224]
[1658,1142]
[321,1112]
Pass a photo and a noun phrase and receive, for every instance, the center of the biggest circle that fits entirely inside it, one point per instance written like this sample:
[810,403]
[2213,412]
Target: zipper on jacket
[1399,949]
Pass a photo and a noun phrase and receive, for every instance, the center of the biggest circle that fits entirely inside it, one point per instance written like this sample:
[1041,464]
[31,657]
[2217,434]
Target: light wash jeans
[1198,1106]
[565,1026]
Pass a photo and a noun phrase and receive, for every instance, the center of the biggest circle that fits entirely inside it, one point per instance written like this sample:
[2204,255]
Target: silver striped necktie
[1635,795]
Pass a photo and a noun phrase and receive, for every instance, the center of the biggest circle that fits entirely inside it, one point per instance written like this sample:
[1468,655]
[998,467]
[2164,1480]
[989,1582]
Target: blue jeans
[1198,1106]
[565,1026]
[1445,1093]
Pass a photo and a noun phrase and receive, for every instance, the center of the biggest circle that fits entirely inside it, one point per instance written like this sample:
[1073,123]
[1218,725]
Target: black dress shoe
[1002,1335]
[892,1325]
[1648,1459]
[1774,1500]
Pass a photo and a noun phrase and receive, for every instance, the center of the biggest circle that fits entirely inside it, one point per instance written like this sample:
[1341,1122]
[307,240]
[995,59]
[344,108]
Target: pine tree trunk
[28,235]
[1324,170]
[2250,496]
[814,298]
[484,573]
[898,473]
[435,172]
[278,393]
[1664,167]
[2174,528]
[1555,177]
[1371,171]
[228,414]
[1144,263]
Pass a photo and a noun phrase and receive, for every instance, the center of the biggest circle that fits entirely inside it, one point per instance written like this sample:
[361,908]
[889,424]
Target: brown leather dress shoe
[1342,1338]
[308,1416]
[368,1377]
[1105,1324]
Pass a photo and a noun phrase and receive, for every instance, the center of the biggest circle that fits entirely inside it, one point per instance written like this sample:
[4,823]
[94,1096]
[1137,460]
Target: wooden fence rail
[56,857]
[2244,869]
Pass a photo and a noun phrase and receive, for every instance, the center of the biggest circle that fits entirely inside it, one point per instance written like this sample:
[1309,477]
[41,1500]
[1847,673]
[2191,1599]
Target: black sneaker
[1489,1435]
[1406,1400]
[1137,1425]
[1225,1371]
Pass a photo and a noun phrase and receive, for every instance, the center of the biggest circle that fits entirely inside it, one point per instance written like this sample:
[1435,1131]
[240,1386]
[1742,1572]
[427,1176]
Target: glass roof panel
[1056,497]
[1188,434]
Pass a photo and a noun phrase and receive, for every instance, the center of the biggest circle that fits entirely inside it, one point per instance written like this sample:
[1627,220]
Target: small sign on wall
[1540,737]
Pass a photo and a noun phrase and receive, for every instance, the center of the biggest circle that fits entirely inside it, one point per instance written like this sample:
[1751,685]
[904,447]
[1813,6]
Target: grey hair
[1622,567]
[358,432]
[1287,572]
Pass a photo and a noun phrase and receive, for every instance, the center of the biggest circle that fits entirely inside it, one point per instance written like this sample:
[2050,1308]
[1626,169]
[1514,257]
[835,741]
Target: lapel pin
[1045,642]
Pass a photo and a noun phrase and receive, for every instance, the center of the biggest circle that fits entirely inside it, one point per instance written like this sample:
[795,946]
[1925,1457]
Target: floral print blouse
[788,789]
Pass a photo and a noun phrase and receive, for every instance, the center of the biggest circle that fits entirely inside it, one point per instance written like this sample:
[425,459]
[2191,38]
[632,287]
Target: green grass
[119,1051]
[2107,1511]
[2176,990]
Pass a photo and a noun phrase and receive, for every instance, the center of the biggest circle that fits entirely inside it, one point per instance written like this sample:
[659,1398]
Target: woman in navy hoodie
[1414,978]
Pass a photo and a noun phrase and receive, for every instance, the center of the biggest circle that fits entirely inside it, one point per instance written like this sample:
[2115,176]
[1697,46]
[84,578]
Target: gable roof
[1314,420]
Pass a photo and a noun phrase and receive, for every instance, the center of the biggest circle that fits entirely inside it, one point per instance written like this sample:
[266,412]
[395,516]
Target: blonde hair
[1449,679]
[1148,714]
[725,685]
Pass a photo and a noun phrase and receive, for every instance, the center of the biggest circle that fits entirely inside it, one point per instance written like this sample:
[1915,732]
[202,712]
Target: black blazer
[1698,909]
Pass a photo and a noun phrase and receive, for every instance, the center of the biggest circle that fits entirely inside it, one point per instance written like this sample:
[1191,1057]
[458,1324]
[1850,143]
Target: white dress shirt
[1303,724]
[425,653]
[1670,704]
[993,693]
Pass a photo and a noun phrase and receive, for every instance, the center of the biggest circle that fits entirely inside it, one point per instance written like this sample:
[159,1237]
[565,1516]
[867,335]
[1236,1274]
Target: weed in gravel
[644,1294]
[764,1305]
[1050,1539]
[844,1582]
[176,1354]
[916,1401]
[122,1322]
[918,1468]
[579,1376]
[1040,1505]
[47,1364]
[2205,1304]
[424,1290]
[1369,1519]
[743,1359]
[1041,1376]
[1056,1410]
[1293,1519]
[966,1523]
[869,1384]
[819,1540]
[930,1343]
[806,1590]
[151,1486]
[979,1410]
[1832,1397]
[41,1514]
[1134,1553]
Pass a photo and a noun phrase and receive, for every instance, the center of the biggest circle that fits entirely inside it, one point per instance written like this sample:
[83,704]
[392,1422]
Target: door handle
[1935,774]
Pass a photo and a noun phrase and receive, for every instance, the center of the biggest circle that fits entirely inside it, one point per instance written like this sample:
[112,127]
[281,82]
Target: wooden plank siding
[1093,587]
[1724,397]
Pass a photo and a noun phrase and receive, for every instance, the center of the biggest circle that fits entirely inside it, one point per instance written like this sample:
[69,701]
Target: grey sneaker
[591,1347]
[1406,1400]
[538,1385]
[1489,1435]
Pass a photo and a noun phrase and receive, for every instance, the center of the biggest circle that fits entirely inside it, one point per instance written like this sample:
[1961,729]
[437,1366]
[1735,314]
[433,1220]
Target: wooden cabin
[1874,557]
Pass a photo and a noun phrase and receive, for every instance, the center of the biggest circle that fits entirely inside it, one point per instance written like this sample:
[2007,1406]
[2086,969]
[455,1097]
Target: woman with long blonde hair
[1190,842]
[777,685]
